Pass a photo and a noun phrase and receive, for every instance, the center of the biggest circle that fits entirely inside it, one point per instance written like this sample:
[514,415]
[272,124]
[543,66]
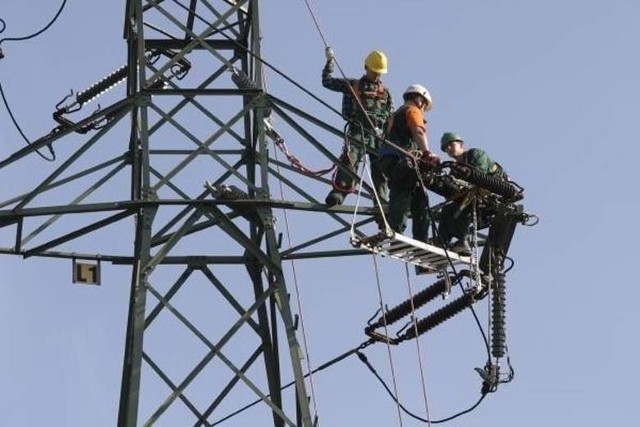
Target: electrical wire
[364,360]
[15,123]
[4,99]
[271,67]
[286,77]
[37,33]
[360,106]
[315,97]
[319,368]
[261,60]
[424,189]
[438,238]
[510,266]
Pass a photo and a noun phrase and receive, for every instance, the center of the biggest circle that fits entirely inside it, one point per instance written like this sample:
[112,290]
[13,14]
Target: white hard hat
[422,91]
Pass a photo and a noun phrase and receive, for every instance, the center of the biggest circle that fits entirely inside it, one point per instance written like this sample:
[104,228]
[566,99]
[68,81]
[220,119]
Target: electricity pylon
[194,112]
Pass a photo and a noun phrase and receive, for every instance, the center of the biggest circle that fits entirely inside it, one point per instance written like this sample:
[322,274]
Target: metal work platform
[395,245]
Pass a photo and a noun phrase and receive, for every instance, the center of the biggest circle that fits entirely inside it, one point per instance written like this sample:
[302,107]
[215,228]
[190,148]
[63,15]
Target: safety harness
[359,107]
[379,93]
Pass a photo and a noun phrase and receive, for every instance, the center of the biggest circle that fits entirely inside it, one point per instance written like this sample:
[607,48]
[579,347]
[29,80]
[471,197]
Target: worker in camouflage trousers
[366,105]
[407,132]
[456,219]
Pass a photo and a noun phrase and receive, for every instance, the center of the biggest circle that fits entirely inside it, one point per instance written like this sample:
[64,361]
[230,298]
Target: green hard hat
[448,137]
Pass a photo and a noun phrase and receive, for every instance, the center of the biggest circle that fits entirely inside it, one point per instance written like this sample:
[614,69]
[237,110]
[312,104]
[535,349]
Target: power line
[37,33]
[4,99]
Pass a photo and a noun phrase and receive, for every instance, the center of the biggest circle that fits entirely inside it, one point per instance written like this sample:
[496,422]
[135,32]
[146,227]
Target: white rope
[358,194]
[297,288]
[386,333]
[414,318]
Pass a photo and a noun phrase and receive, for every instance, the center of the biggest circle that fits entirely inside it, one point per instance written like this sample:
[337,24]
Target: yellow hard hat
[376,61]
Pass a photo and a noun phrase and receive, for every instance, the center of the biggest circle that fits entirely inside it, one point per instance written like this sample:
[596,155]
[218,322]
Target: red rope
[297,164]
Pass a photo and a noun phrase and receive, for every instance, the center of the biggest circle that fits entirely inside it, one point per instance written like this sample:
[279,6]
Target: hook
[64,99]
[409,323]
[527,217]
[370,321]
[490,375]
[153,57]
[68,109]
[101,121]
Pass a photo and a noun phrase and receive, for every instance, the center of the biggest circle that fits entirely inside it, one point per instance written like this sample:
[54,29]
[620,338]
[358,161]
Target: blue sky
[548,89]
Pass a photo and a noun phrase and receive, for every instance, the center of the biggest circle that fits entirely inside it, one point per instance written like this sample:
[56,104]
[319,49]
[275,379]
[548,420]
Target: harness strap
[379,93]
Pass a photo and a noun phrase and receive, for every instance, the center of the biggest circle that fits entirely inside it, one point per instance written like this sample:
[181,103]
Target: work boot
[424,270]
[432,242]
[461,247]
[334,198]
[377,217]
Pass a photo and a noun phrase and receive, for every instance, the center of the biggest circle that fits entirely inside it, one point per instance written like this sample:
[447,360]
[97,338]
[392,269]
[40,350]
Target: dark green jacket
[480,160]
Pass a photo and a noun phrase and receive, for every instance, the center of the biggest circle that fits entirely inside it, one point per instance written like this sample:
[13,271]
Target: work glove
[429,157]
[428,160]
[329,54]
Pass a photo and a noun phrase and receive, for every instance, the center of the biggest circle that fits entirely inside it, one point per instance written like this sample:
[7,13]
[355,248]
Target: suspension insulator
[498,308]
[444,186]
[242,80]
[439,316]
[228,192]
[102,86]
[495,185]
[405,308]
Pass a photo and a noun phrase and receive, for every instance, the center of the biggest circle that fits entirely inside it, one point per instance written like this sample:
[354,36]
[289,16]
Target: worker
[407,133]
[456,219]
[366,105]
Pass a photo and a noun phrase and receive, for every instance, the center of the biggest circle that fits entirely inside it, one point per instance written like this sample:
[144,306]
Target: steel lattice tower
[193,112]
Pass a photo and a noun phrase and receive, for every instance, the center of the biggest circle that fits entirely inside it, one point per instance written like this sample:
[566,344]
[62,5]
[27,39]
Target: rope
[315,21]
[386,332]
[358,102]
[258,58]
[302,323]
[357,204]
[415,327]
[283,75]
[344,158]
[365,169]
[294,271]
[280,73]
[438,239]
[326,45]
[328,106]
[296,163]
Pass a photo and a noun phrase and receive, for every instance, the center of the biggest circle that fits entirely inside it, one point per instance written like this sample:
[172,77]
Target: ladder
[431,258]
